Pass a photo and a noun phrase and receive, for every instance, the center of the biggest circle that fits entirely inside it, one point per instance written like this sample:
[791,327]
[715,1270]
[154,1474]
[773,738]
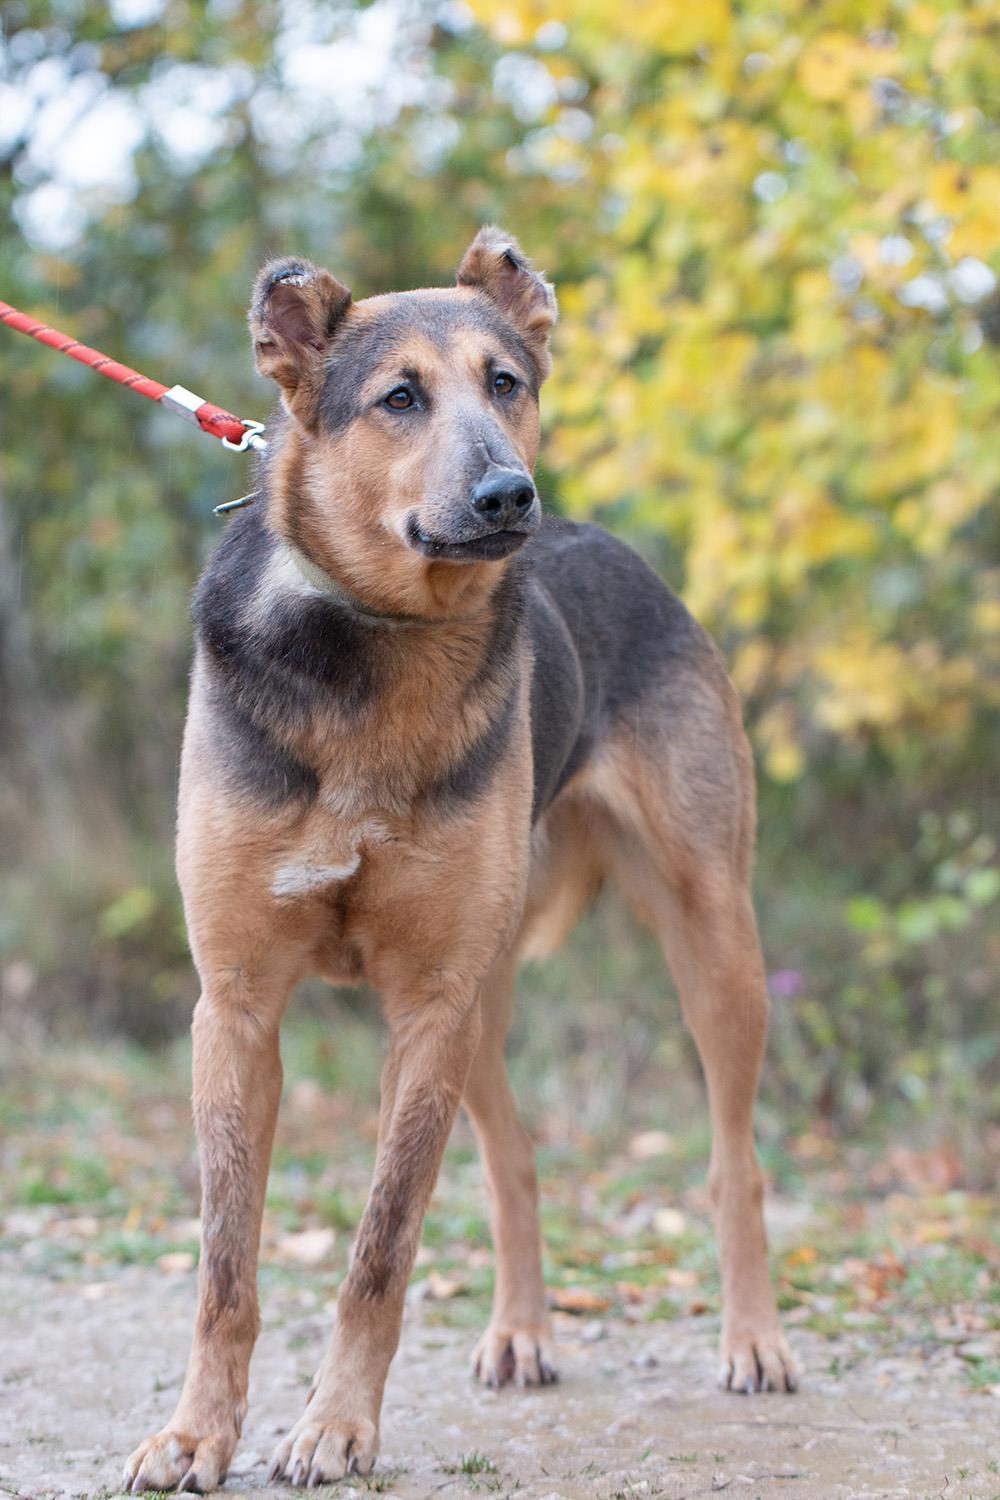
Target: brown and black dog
[425,725]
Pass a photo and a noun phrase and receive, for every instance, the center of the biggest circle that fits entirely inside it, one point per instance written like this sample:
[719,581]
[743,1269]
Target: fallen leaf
[443,1288]
[578,1299]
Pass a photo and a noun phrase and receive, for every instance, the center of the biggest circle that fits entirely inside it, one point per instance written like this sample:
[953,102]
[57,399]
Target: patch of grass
[982,1374]
[470,1463]
[381,1482]
[67,1180]
[664,1309]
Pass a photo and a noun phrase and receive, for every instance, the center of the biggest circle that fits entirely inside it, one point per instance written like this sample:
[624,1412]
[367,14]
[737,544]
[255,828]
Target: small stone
[86,1227]
[649,1144]
[175,1262]
[308,1248]
[669,1222]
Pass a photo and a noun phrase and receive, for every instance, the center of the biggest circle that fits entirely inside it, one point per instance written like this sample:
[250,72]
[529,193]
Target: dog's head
[407,464]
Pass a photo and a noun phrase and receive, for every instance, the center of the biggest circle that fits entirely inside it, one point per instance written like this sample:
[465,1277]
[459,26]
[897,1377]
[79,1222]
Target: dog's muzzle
[502,512]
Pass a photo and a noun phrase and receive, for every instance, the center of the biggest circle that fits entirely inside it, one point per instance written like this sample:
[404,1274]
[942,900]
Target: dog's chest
[326,856]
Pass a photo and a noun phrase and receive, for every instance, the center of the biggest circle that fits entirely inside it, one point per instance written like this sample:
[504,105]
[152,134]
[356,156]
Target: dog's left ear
[496,265]
[295,312]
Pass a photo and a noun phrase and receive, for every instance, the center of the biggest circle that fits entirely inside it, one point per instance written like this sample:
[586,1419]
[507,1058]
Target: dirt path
[88,1367]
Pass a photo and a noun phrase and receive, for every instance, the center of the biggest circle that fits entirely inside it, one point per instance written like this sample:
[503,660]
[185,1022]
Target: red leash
[233,432]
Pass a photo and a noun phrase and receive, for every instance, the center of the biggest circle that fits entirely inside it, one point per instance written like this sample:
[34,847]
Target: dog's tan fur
[370,881]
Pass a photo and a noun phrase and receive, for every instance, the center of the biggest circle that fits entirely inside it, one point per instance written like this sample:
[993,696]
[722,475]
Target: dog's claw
[298,1473]
[764,1363]
[190,1483]
[521,1357]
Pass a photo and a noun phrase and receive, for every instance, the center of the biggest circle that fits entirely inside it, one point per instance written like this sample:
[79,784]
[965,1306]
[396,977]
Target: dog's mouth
[489,546]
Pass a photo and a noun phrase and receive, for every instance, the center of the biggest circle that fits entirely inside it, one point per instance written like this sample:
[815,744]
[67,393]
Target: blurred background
[775,235]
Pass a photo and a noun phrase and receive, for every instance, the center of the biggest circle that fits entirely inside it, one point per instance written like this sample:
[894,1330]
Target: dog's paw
[757,1360]
[522,1356]
[175,1460]
[317,1451]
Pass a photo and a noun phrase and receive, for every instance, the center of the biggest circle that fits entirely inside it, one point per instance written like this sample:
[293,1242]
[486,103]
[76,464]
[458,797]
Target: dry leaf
[443,1288]
[577,1299]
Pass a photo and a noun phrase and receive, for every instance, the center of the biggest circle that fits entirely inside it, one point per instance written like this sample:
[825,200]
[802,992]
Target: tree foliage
[775,233]
[782,353]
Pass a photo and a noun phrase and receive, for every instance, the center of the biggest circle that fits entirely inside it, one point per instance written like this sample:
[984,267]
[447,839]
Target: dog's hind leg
[681,831]
[710,941]
[516,1345]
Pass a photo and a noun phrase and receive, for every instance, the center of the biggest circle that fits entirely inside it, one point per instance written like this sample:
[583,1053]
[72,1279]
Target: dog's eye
[503,383]
[400,399]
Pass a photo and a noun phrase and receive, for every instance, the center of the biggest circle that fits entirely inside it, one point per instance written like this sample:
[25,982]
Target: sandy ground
[89,1368]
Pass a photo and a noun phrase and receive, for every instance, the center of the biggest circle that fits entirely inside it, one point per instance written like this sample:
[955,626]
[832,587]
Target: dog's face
[415,415]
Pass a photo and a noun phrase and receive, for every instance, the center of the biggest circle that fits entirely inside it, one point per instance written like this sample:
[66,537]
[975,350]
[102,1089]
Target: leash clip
[228,505]
[251,439]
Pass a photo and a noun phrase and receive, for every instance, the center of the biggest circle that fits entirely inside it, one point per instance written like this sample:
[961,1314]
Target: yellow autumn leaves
[777,358]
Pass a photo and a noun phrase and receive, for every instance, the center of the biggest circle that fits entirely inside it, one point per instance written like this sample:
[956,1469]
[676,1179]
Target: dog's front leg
[237,1085]
[431,1049]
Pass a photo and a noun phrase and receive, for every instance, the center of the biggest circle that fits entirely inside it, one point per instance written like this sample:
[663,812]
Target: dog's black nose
[504,496]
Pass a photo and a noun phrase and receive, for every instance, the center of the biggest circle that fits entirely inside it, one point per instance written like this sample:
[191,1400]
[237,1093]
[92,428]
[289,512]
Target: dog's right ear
[294,314]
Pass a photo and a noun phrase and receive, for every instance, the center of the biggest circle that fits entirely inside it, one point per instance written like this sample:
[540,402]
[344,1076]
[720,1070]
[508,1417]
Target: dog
[425,725]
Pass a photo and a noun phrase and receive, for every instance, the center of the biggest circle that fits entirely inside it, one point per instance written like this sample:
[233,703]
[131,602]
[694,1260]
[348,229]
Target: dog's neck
[338,593]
